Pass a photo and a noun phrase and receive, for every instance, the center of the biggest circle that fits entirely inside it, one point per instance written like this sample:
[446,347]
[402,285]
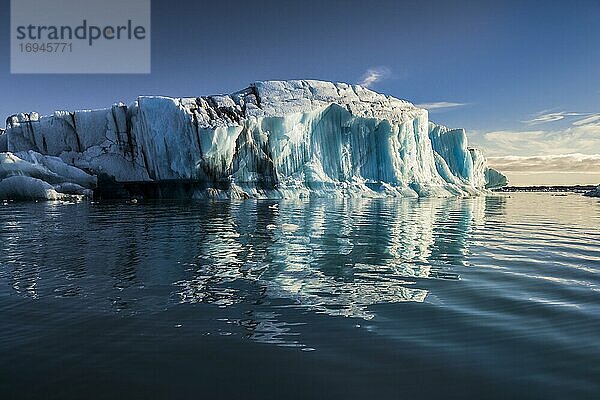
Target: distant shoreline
[574,189]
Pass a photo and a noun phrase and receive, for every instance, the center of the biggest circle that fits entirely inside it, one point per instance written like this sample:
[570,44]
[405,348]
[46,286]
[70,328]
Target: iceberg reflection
[340,258]
[337,257]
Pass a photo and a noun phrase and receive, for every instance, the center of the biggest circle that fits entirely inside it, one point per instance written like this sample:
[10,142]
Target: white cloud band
[439,105]
[562,163]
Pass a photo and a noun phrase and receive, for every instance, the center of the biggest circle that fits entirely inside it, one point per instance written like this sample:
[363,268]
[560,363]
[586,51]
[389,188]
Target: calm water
[494,297]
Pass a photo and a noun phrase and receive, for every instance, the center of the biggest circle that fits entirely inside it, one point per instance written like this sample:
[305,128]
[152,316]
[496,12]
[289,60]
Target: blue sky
[521,76]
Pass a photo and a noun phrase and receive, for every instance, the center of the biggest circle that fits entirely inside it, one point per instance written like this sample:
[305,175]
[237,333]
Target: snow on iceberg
[273,139]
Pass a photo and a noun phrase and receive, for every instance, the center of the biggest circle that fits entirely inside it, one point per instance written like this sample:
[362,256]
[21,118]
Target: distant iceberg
[495,179]
[594,193]
[273,139]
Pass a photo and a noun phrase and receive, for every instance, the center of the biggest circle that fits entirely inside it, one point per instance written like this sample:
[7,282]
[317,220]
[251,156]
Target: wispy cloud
[545,117]
[440,105]
[554,163]
[374,75]
[550,154]
[581,136]
[593,119]
[574,139]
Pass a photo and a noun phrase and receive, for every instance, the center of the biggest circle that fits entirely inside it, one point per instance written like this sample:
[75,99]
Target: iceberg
[33,176]
[274,139]
[594,193]
[495,179]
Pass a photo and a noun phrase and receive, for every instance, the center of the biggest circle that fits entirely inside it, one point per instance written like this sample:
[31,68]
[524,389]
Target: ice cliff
[273,139]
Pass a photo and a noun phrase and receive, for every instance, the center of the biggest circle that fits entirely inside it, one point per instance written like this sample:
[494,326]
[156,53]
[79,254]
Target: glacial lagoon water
[489,297]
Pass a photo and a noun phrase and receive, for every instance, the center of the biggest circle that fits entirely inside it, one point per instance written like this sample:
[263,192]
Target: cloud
[554,163]
[546,117]
[374,75]
[593,119]
[581,136]
[566,154]
[440,104]
[583,139]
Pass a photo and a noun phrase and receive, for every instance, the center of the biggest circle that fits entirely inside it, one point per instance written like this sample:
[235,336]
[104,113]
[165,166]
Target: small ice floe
[289,227]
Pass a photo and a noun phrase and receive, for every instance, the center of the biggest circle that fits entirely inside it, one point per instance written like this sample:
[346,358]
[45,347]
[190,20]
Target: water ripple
[523,268]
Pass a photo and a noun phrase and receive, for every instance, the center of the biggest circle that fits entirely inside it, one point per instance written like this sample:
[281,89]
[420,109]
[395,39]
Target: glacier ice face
[451,145]
[275,138]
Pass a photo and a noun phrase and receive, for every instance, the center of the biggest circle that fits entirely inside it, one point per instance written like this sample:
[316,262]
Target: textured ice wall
[457,163]
[276,138]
